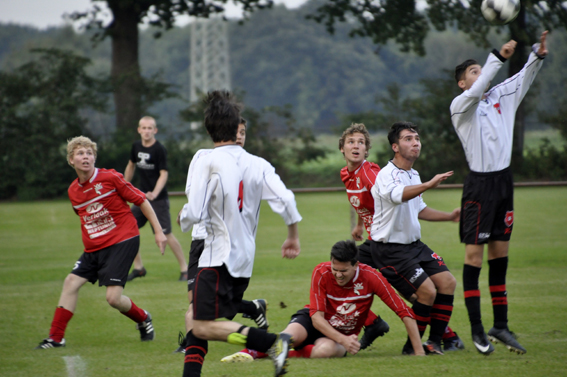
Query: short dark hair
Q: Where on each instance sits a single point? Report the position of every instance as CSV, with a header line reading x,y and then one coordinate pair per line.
x,y
222,116
397,128
345,251
462,68
243,122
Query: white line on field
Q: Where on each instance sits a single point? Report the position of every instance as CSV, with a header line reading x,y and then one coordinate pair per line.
x,y
76,367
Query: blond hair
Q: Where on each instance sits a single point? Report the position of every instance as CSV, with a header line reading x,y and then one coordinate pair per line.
x,y
79,142
148,119
355,128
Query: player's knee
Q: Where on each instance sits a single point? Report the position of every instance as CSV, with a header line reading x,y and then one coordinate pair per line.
x,y
324,350
113,301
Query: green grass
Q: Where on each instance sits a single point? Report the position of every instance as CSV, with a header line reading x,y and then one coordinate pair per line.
x,y
40,241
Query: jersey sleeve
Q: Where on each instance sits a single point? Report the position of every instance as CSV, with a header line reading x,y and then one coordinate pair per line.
x,y
126,190
384,290
318,291
389,186
464,106
280,199
201,185
133,156
370,175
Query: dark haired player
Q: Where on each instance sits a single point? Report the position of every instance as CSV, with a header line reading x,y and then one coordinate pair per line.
x,y
225,192
409,264
341,295
150,157
359,176
484,121
110,236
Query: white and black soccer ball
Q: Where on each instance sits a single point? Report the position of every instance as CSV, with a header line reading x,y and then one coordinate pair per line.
x,y
500,12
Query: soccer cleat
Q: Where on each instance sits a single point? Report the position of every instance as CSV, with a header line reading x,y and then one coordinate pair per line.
x,y
377,329
482,344
183,276
453,344
508,338
279,352
146,329
408,349
50,343
260,316
181,342
432,348
137,274
239,357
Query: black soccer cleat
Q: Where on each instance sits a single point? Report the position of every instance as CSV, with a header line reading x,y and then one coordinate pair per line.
x,y
375,330
50,343
432,348
260,316
408,349
508,338
183,276
453,344
181,343
146,329
482,344
279,352
137,274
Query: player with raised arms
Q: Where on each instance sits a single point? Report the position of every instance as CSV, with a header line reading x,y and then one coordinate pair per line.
x,y
484,120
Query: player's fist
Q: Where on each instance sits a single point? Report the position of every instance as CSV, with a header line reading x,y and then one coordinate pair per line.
x,y
351,344
508,49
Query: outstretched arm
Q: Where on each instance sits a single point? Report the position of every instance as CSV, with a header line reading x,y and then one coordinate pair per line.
x,y
431,214
411,192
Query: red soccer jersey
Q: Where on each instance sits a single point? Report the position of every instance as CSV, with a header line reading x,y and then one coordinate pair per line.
x,y
100,202
358,184
347,307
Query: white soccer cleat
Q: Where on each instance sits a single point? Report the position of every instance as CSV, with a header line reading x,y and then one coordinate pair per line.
x,y
239,357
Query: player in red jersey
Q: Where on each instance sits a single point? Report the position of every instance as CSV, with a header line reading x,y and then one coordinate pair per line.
x,y
341,294
359,176
111,238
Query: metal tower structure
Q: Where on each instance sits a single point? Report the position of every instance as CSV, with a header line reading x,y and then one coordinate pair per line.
x,y
209,57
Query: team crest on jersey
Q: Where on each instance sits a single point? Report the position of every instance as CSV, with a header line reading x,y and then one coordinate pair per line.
x,y
358,183
358,287
97,188
94,207
355,201
497,107
509,219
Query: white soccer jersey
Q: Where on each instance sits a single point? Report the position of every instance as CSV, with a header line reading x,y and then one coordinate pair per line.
x,y
199,230
229,241
486,125
396,221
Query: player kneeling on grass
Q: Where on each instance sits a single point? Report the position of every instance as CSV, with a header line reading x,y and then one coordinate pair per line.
x,y
110,236
341,295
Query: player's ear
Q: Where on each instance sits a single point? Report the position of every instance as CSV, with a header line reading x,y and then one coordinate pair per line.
x,y
395,148
462,84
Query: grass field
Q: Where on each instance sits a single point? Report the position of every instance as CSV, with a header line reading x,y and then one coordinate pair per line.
x,y
40,241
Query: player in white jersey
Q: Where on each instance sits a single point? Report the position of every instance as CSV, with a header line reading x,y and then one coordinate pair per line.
x,y
227,187
256,309
484,122
408,264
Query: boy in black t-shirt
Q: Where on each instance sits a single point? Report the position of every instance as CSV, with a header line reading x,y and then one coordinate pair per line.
x,y
150,157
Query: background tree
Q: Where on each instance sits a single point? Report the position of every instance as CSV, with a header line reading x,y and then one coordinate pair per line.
x,y
123,31
41,106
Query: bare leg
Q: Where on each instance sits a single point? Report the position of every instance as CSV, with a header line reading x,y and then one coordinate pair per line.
x,y
177,251
70,293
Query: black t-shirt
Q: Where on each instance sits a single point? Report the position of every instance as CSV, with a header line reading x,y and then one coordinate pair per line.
x,y
149,161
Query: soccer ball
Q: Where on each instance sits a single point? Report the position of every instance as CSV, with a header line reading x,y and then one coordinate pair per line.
x,y
500,12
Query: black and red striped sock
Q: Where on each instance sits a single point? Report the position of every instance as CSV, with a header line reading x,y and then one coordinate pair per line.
x,y
422,316
440,316
195,352
472,296
497,282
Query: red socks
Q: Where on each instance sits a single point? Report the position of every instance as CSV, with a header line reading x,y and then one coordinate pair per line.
x,y
135,314
61,318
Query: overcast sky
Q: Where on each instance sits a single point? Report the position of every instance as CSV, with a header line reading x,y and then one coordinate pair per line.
x,y
45,13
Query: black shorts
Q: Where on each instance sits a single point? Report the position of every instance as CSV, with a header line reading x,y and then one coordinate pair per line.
x,y
487,207
161,208
304,319
110,266
197,247
406,266
217,294
365,253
